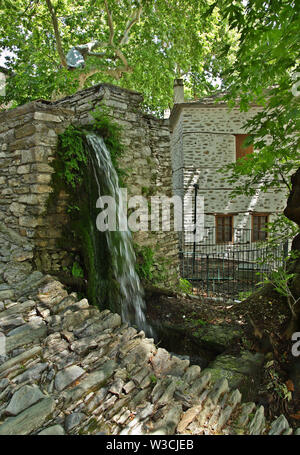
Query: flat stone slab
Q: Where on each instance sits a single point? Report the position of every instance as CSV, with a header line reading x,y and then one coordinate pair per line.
x,y
217,337
242,372
29,420
55,430
68,376
92,381
23,399
73,420
27,333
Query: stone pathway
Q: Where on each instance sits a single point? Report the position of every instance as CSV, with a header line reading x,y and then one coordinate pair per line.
x,y
71,369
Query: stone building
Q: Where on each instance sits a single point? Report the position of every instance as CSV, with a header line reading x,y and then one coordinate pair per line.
x,y
204,137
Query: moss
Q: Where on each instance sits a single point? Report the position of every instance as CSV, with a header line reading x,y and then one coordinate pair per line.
x,y
73,168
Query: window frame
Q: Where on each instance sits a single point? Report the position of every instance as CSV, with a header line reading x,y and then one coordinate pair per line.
x,y
243,151
224,215
258,215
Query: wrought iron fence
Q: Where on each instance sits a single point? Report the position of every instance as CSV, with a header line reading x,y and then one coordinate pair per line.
x,y
228,269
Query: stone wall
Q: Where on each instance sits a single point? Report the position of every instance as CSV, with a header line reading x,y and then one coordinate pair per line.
x,y
28,141
67,368
202,141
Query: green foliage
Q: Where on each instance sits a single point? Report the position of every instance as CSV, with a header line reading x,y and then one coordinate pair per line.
x,y
112,135
281,279
77,270
200,322
145,262
72,156
153,379
265,71
244,295
73,175
275,384
185,286
171,39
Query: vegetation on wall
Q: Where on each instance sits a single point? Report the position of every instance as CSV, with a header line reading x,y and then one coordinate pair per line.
x,y
73,171
151,270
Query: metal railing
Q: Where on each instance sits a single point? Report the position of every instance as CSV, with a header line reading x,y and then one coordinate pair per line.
x,y
228,269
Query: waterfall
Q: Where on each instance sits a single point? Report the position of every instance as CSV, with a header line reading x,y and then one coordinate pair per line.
x,y
119,242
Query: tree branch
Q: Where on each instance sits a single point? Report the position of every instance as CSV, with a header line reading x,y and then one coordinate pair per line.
x,y
285,181
135,18
110,24
57,35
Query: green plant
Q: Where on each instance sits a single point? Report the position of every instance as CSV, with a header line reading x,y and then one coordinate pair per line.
x,y
200,322
281,279
77,270
244,295
72,154
153,379
275,384
185,286
72,174
145,262
112,135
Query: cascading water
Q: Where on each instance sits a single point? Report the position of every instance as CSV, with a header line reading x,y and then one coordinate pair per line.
x,y
119,241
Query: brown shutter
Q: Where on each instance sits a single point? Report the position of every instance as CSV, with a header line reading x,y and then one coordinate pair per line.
x,y
239,149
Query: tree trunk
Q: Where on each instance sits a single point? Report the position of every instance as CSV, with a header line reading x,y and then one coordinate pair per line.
x,y
292,212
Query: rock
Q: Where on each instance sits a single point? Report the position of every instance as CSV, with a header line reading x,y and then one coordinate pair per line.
x,y
191,374
67,376
200,384
52,293
168,424
29,284
32,374
116,387
257,425
25,397
246,410
217,337
220,387
20,358
242,372
91,382
29,420
279,426
73,420
110,322
4,383
187,418
28,333
19,308
11,322
16,272
7,294
84,345
55,430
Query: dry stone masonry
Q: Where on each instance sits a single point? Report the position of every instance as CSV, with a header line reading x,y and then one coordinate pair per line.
x,y
68,368
28,142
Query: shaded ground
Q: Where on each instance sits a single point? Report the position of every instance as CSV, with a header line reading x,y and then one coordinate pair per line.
x,y
262,318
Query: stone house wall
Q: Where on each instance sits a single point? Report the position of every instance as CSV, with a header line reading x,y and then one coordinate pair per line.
x,y
202,141
28,141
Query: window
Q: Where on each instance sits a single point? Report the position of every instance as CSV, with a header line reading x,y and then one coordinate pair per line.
x,y
259,224
224,228
241,151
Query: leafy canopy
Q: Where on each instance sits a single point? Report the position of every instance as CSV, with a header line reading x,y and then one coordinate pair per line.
x,y
265,72
139,44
